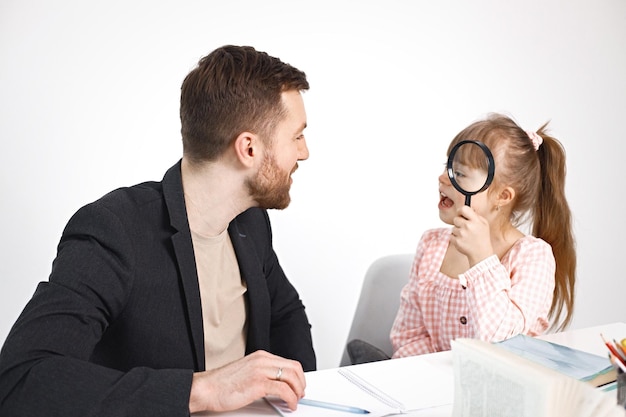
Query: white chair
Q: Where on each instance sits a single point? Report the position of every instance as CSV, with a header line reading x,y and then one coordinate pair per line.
x,y
379,302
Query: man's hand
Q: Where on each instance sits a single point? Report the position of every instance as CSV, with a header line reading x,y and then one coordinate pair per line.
x,y
241,382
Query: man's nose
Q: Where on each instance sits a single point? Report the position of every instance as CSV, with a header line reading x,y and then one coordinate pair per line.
x,y
303,151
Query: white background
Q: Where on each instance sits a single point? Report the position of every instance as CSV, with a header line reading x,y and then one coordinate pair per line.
x,y
89,96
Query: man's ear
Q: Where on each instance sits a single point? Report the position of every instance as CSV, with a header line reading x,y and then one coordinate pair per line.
x,y
247,147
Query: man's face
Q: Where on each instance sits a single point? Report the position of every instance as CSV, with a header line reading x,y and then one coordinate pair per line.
x,y
270,187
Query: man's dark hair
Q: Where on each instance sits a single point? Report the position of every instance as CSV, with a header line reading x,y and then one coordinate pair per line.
x,y
232,90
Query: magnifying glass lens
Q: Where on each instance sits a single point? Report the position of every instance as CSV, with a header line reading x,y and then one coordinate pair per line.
x,y
470,168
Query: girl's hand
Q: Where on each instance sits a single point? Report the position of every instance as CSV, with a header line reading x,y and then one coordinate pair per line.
x,y
471,236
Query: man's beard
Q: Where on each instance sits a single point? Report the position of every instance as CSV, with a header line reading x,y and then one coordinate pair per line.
x,y
270,187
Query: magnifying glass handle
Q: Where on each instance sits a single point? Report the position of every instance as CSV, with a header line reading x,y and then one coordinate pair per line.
x,y
468,198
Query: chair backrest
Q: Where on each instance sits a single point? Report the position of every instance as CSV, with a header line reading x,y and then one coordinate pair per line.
x,y
379,302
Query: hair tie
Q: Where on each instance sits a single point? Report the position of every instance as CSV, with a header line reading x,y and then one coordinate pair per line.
x,y
535,139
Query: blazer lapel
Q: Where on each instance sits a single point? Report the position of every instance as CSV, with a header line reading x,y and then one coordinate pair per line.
x,y
251,269
183,249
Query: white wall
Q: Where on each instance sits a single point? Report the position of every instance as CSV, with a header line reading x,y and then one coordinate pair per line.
x,y
89,102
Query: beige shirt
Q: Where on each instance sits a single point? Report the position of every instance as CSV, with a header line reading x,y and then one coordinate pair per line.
x,y
223,302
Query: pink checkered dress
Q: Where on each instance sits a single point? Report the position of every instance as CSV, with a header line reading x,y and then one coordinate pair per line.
x,y
502,297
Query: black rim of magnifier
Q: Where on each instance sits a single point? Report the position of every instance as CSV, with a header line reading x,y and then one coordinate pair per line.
x,y
490,169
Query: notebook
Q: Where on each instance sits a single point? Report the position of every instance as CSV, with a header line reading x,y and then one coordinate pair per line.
x,y
394,386
593,369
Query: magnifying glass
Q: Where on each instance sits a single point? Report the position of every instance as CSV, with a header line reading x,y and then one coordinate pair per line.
x,y
470,168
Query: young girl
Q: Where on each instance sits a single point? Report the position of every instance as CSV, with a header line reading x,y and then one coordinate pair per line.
x,y
483,277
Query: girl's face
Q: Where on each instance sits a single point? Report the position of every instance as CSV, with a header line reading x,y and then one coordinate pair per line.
x,y
450,200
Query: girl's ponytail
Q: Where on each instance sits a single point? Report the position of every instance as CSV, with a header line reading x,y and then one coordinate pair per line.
x,y
552,222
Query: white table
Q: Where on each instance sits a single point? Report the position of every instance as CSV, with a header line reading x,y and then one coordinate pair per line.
x,y
587,339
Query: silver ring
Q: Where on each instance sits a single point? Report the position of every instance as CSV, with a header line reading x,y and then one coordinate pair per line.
x,y
279,374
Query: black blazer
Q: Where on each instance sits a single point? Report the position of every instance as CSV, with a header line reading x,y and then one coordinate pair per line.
x,y
117,329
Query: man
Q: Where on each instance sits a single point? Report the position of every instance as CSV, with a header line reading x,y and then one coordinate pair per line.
x,y
167,298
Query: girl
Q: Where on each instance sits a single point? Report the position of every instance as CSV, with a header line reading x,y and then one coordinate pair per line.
x,y
483,277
